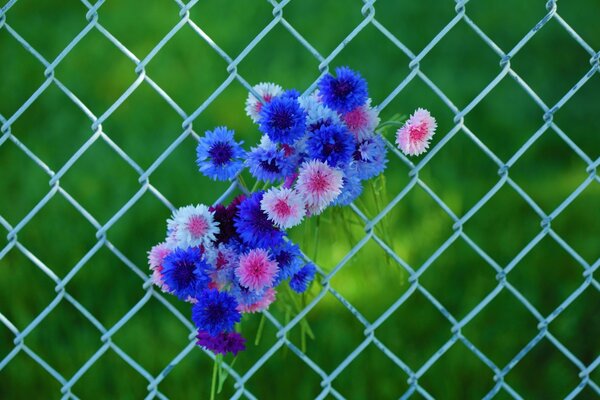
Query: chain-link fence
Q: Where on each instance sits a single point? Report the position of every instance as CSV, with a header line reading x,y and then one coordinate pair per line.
x,y
414,272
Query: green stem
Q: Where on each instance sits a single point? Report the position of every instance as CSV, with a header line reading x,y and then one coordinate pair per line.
x,y
213,385
259,332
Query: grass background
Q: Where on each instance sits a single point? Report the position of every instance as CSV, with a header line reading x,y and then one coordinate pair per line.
x,y
460,174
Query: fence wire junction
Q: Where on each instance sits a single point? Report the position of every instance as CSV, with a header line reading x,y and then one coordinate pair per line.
x,y
370,327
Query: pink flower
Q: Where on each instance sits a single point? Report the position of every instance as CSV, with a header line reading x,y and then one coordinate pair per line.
x,y
256,271
318,184
261,304
284,207
362,121
155,259
413,137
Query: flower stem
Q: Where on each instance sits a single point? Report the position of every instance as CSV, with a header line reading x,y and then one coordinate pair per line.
x,y
213,385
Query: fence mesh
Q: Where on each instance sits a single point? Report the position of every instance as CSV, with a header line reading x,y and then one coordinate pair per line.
x,y
328,378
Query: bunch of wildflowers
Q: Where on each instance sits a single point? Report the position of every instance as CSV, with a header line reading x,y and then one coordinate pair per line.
x,y
315,152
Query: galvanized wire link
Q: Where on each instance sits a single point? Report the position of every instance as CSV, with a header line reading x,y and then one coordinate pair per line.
x,y
322,62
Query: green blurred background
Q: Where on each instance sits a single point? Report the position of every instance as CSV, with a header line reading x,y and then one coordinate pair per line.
x,y
460,174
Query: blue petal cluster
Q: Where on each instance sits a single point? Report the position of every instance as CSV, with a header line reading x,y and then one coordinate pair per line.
x,y
288,259
185,273
282,119
299,282
351,189
215,312
219,156
269,163
344,92
370,157
333,144
253,225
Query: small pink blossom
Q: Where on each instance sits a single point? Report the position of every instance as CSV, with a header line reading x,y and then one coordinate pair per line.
x,y
362,121
260,305
413,138
256,271
318,184
283,206
155,259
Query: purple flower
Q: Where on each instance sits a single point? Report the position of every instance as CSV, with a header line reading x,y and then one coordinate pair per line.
x,y
221,343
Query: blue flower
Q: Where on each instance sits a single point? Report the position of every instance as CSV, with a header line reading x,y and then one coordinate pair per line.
x,y
351,187
253,225
269,163
245,296
300,281
185,273
345,92
282,119
288,260
219,156
215,312
333,144
370,157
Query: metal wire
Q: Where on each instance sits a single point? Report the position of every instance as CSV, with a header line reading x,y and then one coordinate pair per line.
x,y
370,328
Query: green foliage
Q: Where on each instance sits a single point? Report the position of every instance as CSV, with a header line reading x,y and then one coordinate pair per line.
x,y
461,65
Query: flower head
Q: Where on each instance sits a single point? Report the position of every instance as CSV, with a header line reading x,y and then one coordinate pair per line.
x,y
282,119
288,260
345,92
362,121
193,226
254,226
285,207
223,260
333,144
215,312
351,187
267,162
318,184
413,138
156,258
317,113
222,343
185,272
267,91
256,270
300,281
370,157
261,304
219,156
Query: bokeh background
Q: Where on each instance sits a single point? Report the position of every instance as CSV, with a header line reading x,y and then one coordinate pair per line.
x,y
53,128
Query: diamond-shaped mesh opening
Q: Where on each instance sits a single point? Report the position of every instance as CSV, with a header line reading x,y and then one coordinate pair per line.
x,y
516,222
329,316
304,383
353,383
23,183
55,340
131,124
577,326
41,232
18,271
578,228
199,76
428,335
22,74
103,268
469,184
552,81
502,328
460,279
168,334
282,59
98,381
564,174
26,18
29,373
90,181
452,375
112,70
550,366
547,275
248,18
146,25
40,129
